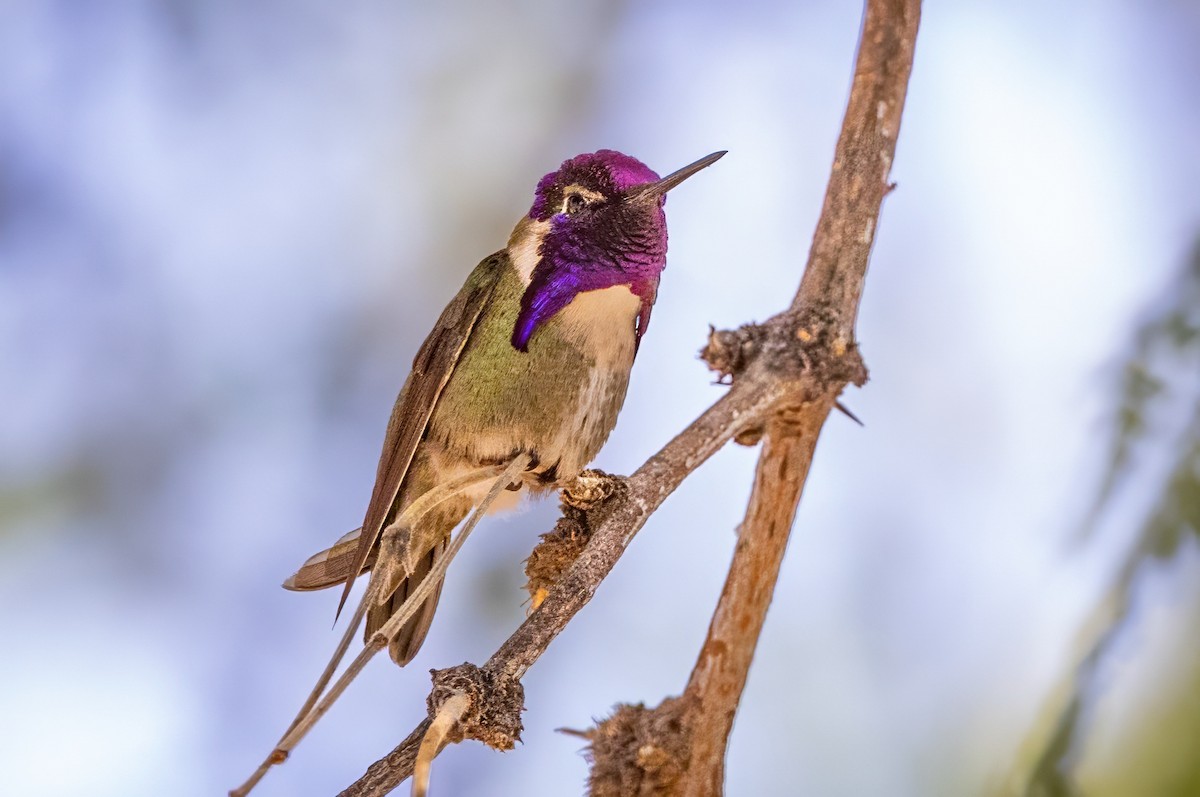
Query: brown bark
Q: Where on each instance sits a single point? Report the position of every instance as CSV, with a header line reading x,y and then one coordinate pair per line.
x,y
614,524
715,687
827,302
787,374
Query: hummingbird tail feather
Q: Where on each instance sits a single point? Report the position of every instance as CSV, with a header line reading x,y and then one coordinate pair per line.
x,y
407,642
403,617
330,567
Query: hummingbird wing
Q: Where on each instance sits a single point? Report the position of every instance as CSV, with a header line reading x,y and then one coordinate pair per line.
x,y
432,368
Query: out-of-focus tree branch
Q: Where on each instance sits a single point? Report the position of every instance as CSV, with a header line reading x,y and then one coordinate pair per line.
x,y
786,375
1165,348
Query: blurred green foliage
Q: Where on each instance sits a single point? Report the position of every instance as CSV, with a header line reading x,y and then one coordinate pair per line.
x,y
1151,745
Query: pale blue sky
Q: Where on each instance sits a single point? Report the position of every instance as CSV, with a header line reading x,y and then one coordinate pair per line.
x,y
224,229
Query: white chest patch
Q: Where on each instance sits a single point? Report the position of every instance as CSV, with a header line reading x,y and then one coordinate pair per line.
x,y
523,246
603,321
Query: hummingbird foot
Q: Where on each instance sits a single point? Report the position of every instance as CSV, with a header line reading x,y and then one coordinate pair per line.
x,y
590,488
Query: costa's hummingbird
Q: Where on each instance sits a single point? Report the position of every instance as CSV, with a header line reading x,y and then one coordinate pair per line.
x,y
530,360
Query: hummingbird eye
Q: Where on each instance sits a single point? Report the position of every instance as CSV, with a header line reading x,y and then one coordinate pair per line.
x,y
573,204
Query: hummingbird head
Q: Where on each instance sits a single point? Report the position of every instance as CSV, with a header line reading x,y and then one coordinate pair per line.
x,y
597,222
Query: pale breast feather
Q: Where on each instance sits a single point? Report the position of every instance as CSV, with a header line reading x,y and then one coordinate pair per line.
x,y
602,323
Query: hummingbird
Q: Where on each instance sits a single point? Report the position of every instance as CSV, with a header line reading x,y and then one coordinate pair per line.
x,y
528,364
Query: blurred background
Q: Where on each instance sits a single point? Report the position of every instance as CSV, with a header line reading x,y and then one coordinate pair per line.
x,y
225,227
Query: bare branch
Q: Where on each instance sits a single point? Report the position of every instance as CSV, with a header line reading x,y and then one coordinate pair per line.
x,y
787,374
862,162
614,523
828,297
716,685
390,771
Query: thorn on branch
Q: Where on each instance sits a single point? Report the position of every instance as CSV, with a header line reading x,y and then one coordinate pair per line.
x,y
845,411
811,342
639,750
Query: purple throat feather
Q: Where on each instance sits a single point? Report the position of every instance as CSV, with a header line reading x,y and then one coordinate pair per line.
x,y
609,242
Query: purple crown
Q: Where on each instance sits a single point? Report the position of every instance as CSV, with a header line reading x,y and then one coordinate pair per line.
x,y
606,171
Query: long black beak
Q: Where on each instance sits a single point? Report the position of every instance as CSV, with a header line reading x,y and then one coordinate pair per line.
x,y
657,189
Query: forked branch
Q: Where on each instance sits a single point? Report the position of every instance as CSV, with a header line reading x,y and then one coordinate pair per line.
x,y
827,306
786,375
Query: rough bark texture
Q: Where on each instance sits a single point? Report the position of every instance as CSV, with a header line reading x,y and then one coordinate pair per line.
x,y
715,687
786,375
827,305
659,742
384,775
614,523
